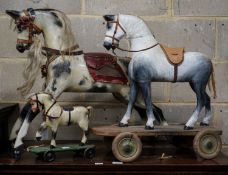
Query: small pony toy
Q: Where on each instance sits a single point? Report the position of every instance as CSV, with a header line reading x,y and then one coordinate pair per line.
x,y
55,115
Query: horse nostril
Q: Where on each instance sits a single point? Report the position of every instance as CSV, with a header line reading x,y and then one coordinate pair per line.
x,y
107,45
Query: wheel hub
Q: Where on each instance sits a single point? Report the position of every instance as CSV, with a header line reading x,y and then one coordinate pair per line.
x,y
127,147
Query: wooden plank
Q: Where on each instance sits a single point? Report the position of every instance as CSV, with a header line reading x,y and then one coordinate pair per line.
x,y
181,162
172,130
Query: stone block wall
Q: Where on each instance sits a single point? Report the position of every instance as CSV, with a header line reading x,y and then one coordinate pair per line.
x,y
197,25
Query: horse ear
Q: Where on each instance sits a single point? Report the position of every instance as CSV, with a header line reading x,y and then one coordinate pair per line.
x,y
109,17
13,13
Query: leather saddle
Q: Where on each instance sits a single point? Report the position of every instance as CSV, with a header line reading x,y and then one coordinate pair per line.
x,y
104,68
174,55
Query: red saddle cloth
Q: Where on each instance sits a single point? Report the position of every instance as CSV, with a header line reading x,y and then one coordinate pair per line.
x,y
104,68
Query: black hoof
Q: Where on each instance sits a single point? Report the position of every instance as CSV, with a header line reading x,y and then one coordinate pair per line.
x,y
52,146
81,144
17,152
123,125
38,139
188,128
149,128
203,124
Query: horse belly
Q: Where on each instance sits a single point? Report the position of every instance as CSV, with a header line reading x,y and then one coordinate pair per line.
x,y
195,65
154,68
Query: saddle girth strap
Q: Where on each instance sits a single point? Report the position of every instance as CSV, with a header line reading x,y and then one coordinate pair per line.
x,y
175,73
69,121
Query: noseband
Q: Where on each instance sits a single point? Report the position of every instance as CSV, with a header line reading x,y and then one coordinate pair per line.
x,y
116,28
26,22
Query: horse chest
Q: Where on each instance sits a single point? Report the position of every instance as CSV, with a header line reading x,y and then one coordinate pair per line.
x,y
150,66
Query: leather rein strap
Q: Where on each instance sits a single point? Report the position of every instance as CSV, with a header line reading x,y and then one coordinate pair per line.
x,y
49,116
138,50
52,54
68,52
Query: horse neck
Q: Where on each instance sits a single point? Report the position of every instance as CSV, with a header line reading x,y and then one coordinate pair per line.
x,y
137,32
55,37
48,103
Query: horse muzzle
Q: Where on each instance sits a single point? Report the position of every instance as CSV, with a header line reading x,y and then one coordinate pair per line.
x,y
22,47
109,46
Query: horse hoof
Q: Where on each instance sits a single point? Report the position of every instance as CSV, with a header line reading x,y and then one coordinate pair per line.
x,y
18,151
203,124
149,128
52,146
81,144
123,125
188,128
38,139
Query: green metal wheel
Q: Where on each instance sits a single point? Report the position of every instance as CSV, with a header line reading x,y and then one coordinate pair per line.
x,y
127,147
89,153
207,144
49,156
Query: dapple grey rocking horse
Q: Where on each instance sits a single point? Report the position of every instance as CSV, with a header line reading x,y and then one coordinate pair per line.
x,y
149,63
67,68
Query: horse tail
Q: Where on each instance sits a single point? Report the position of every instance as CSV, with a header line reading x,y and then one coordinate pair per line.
x,y
90,111
212,83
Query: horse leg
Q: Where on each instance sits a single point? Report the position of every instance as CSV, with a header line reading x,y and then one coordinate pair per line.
x,y
42,128
146,92
208,113
84,124
29,116
199,89
53,136
139,107
132,98
17,125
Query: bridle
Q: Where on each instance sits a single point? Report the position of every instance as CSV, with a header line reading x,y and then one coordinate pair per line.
x,y
36,101
26,22
39,103
115,31
114,45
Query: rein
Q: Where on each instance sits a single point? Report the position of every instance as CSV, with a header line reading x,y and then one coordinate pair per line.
x,y
138,50
49,116
115,39
52,54
39,103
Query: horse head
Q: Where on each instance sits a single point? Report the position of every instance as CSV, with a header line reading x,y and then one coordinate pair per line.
x,y
114,32
37,100
26,27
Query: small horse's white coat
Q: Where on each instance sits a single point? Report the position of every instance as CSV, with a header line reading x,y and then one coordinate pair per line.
x,y
79,115
157,67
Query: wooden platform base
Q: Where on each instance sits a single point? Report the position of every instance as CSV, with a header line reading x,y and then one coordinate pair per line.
x,y
181,161
171,130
